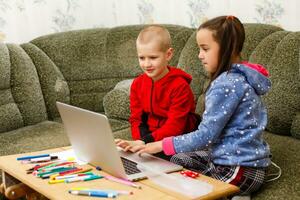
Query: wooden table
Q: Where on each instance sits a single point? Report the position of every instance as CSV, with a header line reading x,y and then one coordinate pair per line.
x,y
11,168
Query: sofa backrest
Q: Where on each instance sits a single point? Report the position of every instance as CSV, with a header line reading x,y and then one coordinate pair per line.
x,y
89,63
280,53
80,67
21,98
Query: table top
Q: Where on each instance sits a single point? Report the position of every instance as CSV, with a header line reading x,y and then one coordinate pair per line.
x,y
10,165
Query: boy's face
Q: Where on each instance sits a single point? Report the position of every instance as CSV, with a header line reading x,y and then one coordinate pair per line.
x,y
153,60
209,50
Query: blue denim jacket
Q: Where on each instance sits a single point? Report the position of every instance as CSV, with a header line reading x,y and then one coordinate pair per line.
x,y
233,121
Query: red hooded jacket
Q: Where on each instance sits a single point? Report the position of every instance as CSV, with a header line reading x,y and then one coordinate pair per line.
x,y
163,108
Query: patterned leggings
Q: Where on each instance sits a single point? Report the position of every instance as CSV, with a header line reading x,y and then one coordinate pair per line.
x,y
248,179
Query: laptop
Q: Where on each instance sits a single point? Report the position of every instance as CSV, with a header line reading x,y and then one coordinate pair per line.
x,y
92,140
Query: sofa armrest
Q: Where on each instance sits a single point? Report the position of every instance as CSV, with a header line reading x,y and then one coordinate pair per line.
x,y
116,102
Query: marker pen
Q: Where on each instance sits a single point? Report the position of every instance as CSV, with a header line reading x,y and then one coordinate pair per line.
x,y
83,178
31,157
92,194
73,175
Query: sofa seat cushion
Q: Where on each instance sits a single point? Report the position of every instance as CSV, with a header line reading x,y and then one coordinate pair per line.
x,y
295,129
116,102
118,125
286,154
40,136
123,134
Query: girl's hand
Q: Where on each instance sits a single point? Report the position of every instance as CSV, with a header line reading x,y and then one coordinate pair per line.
x,y
151,148
128,145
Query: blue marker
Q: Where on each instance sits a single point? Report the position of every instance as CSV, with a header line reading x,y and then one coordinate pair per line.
x,y
93,193
31,157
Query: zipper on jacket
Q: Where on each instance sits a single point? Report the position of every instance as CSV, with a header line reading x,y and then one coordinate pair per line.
x,y
151,105
151,94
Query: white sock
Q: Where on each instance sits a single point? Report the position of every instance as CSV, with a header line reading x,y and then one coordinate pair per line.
x,y
241,197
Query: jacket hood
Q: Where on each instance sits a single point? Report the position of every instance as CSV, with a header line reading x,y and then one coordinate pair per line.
x,y
174,73
255,74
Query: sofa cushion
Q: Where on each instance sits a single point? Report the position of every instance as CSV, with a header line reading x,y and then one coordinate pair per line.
x,y
21,98
279,54
123,134
295,129
285,152
80,58
10,115
25,86
264,51
41,136
53,84
190,63
255,33
116,102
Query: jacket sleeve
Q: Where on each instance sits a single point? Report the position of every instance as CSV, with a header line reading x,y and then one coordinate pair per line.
x,y
181,104
136,111
220,104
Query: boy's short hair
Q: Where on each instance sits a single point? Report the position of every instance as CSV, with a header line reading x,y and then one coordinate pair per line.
x,y
155,33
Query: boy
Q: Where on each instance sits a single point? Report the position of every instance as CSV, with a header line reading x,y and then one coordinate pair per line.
x,y
161,100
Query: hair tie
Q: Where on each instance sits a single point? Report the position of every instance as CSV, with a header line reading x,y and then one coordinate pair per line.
x,y
231,17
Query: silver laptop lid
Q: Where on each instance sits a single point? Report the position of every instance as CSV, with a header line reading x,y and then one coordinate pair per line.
x,y
91,138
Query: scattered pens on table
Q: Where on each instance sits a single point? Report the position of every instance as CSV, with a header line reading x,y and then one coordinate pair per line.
x,y
63,171
70,172
59,171
76,171
72,176
57,167
54,169
123,181
48,165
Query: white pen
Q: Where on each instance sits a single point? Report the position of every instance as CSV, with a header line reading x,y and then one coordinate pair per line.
x,y
73,176
82,178
41,159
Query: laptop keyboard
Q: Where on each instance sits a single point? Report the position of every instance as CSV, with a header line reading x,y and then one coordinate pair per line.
x,y
130,166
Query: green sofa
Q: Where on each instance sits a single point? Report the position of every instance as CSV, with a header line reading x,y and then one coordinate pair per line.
x,y
93,69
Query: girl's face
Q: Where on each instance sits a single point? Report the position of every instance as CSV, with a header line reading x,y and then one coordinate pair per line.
x,y
209,50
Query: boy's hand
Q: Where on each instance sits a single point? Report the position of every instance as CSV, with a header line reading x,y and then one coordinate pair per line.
x,y
151,148
128,145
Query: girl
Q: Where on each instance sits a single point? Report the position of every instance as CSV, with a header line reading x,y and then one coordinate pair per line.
x,y
228,144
